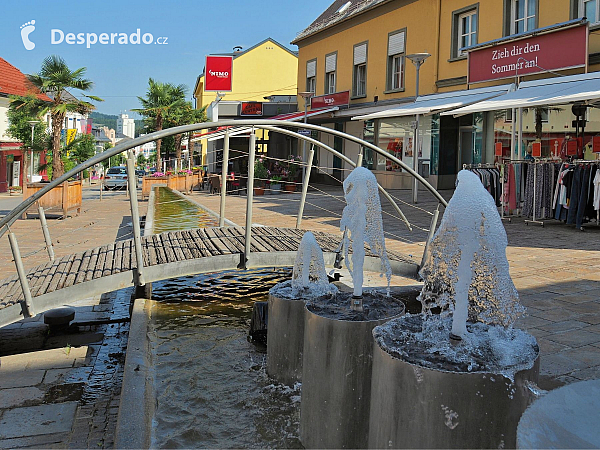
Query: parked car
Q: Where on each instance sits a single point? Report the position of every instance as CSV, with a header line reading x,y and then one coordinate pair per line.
x,y
115,178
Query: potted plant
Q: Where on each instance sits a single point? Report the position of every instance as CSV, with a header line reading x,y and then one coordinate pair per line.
x,y
293,166
275,184
260,176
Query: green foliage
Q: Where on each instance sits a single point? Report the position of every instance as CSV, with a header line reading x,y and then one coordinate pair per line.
x,y
20,129
141,160
82,148
260,172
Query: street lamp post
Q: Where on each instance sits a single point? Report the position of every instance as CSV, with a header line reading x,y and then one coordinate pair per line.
x,y
306,96
417,59
32,124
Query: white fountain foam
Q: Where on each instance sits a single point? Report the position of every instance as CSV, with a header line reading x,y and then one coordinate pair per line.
x,y
309,279
467,271
362,218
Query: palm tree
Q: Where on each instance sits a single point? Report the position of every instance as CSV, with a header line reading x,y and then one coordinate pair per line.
x,y
185,115
161,100
54,79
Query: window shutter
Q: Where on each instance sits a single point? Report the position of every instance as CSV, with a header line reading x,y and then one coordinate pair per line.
x,y
396,44
360,54
311,69
330,63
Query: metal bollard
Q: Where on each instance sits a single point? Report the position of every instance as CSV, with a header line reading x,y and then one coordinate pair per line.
x,y
224,180
135,217
46,232
305,181
250,195
27,305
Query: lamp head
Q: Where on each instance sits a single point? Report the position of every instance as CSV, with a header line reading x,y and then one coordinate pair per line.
x,y
33,123
418,58
306,95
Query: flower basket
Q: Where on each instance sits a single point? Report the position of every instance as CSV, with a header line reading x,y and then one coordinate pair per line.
x,y
259,190
289,187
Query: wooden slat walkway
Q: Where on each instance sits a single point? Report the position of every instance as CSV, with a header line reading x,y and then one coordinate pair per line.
x,y
157,249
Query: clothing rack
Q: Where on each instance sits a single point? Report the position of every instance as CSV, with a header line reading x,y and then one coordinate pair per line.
x,y
492,166
587,161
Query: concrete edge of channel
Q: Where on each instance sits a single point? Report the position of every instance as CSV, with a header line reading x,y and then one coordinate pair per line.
x,y
136,408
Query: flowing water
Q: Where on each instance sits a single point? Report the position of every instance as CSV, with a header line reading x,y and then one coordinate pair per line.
x,y
173,213
210,381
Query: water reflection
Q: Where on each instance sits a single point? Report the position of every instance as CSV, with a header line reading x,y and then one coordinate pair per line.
x,y
174,213
211,384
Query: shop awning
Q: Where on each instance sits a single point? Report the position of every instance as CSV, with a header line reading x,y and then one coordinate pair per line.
x,y
553,91
434,103
236,131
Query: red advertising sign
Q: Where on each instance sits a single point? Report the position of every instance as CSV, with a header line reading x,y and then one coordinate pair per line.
x,y
328,100
536,149
498,149
572,147
596,144
251,109
560,49
217,74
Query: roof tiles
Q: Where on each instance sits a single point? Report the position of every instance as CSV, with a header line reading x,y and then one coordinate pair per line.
x,y
14,82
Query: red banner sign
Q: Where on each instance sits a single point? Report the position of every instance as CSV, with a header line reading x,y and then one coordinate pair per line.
x,y
596,144
536,149
561,49
217,74
498,149
328,100
251,109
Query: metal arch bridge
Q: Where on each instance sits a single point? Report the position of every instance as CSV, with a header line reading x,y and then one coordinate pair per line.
x,y
167,255
145,259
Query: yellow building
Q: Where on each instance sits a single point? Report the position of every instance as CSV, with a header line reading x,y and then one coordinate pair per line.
x,y
263,85
364,47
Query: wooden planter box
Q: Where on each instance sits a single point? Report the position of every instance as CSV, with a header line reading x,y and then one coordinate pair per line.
x,y
63,198
182,183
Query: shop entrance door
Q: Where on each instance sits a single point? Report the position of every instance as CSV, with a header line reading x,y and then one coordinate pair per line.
x,y
466,146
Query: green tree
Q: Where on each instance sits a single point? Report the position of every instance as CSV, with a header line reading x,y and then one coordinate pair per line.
x,y
141,160
160,101
185,115
54,79
20,129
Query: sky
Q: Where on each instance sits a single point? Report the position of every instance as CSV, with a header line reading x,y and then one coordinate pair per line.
x,y
120,72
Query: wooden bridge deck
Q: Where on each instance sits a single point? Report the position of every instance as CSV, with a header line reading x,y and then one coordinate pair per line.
x,y
165,248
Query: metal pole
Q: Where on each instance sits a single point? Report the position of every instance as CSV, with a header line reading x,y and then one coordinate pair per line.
x,y
250,195
311,154
432,227
520,143
512,134
224,180
416,143
31,156
101,185
49,246
359,160
27,305
135,218
304,142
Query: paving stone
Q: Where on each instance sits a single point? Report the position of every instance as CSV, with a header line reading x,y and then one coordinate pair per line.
x,y
41,441
585,308
591,373
556,315
559,364
20,379
18,396
579,298
548,346
567,325
593,319
532,322
45,359
575,338
37,420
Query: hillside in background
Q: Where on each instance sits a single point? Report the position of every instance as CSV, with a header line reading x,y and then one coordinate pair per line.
x,y
110,121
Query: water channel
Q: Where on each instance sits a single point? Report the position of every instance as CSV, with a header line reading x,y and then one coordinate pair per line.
x,y
210,382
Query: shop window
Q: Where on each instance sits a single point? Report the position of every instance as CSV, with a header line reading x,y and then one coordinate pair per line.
x,y
359,72
311,75
523,15
465,24
395,62
590,10
369,136
330,73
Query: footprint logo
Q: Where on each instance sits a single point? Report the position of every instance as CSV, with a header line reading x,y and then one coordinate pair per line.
x,y
26,30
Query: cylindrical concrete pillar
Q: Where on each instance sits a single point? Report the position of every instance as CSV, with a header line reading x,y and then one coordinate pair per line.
x,y
336,382
285,339
417,407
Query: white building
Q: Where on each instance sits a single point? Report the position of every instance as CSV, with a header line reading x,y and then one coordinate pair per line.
x,y
126,126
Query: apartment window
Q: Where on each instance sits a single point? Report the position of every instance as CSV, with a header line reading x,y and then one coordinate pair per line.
x,y
359,73
523,15
395,63
311,75
330,72
590,9
464,29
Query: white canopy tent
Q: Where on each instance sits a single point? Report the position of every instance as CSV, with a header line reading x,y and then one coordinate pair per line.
x,y
434,103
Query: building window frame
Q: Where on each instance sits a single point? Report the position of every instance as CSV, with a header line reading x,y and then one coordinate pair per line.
x,y
395,60
530,16
582,8
457,15
359,72
311,76
330,74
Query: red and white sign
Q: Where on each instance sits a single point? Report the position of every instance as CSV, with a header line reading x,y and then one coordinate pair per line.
x,y
218,73
557,50
251,109
324,101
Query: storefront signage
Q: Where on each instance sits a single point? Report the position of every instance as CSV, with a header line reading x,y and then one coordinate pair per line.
x,y
251,109
557,50
571,147
536,149
328,100
596,144
218,73
10,158
498,149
